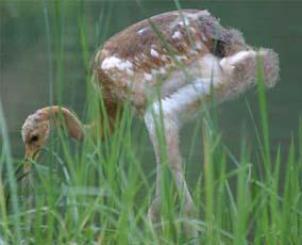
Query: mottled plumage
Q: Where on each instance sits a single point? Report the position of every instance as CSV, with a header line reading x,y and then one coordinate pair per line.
x,y
159,49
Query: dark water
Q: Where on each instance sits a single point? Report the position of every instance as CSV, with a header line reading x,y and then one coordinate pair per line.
x,y
26,71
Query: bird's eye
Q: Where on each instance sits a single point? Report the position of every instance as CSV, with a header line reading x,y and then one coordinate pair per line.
x,y
34,138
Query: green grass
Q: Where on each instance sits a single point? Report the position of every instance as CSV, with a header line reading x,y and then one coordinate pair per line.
x,y
99,191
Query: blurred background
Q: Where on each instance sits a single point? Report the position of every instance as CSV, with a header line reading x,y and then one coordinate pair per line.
x,y
46,47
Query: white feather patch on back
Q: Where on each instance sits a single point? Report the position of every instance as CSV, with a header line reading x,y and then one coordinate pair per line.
x,y
177,35
154,53
115,62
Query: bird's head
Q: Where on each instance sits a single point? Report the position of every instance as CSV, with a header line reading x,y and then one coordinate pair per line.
x,y
35,132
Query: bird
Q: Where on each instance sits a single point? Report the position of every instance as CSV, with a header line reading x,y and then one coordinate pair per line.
x,y
167,67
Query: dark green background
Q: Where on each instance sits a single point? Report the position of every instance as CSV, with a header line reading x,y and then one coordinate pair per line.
x,y
26,71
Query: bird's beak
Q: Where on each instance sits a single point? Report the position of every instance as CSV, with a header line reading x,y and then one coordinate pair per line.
x,y
30,155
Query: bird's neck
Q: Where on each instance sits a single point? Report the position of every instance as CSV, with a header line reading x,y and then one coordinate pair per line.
x,y
56,114
104,125
110,117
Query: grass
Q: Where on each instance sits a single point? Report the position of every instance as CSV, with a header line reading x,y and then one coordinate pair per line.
x,y
99,191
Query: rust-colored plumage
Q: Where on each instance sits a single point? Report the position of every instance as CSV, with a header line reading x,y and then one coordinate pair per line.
x,y
155,49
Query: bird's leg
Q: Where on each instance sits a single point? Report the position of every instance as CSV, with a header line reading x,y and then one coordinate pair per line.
x,y
169,114
171,134
164,115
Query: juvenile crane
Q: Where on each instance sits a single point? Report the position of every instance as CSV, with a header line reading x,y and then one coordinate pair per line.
x,y
166,66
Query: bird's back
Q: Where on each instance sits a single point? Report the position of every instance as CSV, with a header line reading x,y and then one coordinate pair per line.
x,y
148,53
